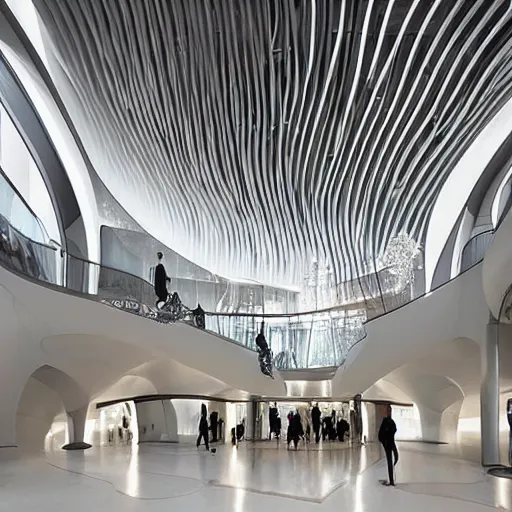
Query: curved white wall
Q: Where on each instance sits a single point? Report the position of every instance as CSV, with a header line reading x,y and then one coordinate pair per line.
x,y
460,183
37,409
157,422
456,310
41,326
428,351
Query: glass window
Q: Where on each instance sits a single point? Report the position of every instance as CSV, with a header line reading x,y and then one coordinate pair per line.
x,y
37,221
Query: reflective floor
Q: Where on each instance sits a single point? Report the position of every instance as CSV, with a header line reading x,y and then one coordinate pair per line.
x,y
252,477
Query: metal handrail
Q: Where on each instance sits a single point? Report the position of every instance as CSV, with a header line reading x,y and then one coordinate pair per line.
x,y
349,333
342,338
40,244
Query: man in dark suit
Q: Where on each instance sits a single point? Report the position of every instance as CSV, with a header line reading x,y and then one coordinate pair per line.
x,y
203,428
387,433
161,280
316,416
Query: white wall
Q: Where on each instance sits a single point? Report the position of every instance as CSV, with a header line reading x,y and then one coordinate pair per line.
x,y
408,423
38,407
461,182
16,365
456,310
157,421
68,318
423,350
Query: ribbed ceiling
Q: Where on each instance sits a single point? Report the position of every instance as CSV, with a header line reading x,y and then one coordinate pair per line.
x,y
254,136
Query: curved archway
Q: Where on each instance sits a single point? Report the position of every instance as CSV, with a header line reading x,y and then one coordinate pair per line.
x,y
49,393
128,386
443,384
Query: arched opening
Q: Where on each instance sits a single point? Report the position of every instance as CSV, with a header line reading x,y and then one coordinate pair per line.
x,y
117,423
51,411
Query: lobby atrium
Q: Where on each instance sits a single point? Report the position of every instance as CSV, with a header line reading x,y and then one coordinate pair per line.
x,y
255,254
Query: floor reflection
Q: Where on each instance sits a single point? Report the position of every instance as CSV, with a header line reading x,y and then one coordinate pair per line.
x,y
332,473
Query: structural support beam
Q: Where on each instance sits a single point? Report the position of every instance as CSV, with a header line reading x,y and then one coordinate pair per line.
x,y
76,429
250,427
489,397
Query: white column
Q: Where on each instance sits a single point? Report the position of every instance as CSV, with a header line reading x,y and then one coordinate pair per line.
x,y
76,425
489,397
250,422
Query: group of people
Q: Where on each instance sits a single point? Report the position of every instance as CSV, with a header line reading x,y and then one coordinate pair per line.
x,y
301,424
332,426
307,421
216,427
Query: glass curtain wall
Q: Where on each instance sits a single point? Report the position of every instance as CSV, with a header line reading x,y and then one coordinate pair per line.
x,y
36,216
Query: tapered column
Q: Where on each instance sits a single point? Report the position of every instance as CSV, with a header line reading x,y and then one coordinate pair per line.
x,y
76,429
489,397
250,424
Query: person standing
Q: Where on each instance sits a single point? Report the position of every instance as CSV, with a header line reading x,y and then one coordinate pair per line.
x,y
304,422
221,429
203,428
161,280
387,433
358,418
214,425
342,427
273,414
328,429
295,431
316,420
509,417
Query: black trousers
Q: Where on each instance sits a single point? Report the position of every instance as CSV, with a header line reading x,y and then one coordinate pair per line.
x,y
295,439
203,435
316,429
391,451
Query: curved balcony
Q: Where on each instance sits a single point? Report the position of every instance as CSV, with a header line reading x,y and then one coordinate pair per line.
x,y
305,340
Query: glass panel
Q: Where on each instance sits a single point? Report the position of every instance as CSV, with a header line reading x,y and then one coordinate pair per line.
x,y
34,202
18,214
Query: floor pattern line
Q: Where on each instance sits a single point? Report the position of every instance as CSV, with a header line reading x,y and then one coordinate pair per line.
x,y
98,479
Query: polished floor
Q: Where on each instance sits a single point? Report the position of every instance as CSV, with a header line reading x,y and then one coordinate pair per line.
x,y
254,477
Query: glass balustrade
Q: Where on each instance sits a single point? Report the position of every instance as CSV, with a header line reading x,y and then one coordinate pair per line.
x,y
297,340
474,251
18,214
26,256
309,340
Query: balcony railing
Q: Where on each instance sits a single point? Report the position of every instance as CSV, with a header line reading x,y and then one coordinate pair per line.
x,y
321,338
113,287
298,341
313,339
474,251
305,340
